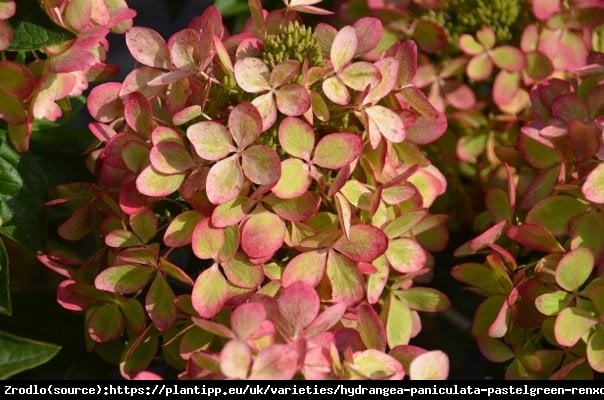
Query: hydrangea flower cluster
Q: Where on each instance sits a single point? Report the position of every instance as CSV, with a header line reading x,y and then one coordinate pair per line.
x,y
40,74
261,205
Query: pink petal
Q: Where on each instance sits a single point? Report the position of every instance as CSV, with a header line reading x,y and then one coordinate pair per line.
x,y
235,360
246,319
266,106
388,122
343,48
593,188
337,150
480,67
365,244
278,362
508,58
153,183
299,304
104,103
148,47
261,165
262,235
308,267
469,45
296,137
184,48
360,75
224,181
297,209
284,72
138,114
245,124
432,365
336,91
292,99
210,292
252,75
544,9
369,32
210,140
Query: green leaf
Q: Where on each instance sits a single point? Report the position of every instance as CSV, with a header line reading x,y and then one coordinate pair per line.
x,y
574,268
138,354
159,304
33,29
19,354
571,324
552,303
399,323
595,350
23,191
424,299
5,303
555,213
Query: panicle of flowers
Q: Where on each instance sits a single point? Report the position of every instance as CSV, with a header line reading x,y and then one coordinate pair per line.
x,y
260,214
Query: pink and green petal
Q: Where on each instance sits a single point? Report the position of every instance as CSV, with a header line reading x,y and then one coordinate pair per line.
x,y
224,181
180,230
508,58
148,47
480,67
571,324
336,150
308,267
593,188
369,31
298,304
242,272
360,76
336,91
276,362
470,46
159,304
347,283
252,75
210,292
261,165
210,140
574,268
170,158
295,179
235,360
406,255
284,72
296,137
432,365
365,244
245,124
184,48
262,235
297,209
292,99
343,48
153,183
124,279
207,241
266,106
389,124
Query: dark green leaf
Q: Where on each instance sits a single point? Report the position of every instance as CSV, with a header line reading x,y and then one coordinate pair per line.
x,y
5,304
19,354
33,29
23,191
